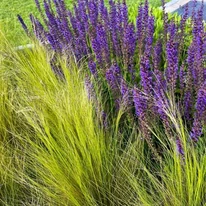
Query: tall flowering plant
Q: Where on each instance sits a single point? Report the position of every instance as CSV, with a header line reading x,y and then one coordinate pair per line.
x,y
142,70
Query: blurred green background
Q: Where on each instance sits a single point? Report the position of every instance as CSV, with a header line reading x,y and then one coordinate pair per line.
x,y
10,8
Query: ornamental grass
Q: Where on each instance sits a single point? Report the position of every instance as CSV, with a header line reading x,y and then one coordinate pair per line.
x,y
104,110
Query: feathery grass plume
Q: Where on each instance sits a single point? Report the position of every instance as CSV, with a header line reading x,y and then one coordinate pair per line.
x,y
54,151
12,129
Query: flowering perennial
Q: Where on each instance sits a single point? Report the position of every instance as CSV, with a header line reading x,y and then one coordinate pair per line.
x,y
140,69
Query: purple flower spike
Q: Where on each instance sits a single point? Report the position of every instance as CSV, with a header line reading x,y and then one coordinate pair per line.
x,y
97,49
139,25
146,13
51,41
200,113
196,131
38,29
92,67
150,33
103,43
146,75
82,14
113,28
160,99
201,102
124,90
188,105
182,75
23,24
190,62
53,27
93,12
160,104
124,13
157,55
172,60
140,103
129,45
119,18
113,77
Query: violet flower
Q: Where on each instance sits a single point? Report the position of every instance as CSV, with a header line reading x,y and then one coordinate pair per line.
x,y
129,45
146,75
92,67
23,24
157,55
200,114
113,28
145,14
182,77
125,92
188,104
196,131
139,23
113,77
103,43
149,36
190,62
93,12
140,103
38,29
172,59
97,49
124,13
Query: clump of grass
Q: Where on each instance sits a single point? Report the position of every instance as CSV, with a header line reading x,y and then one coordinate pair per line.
x,y
56,151
179,178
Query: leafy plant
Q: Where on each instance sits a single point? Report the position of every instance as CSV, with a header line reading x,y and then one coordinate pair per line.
x,y
141,69
57,150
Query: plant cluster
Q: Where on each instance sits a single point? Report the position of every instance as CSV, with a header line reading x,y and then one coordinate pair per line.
x,y
55,152
141,70
109,111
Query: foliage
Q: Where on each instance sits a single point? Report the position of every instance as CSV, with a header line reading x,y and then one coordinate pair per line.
x,y
53,150
56,150
139,67
109,112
